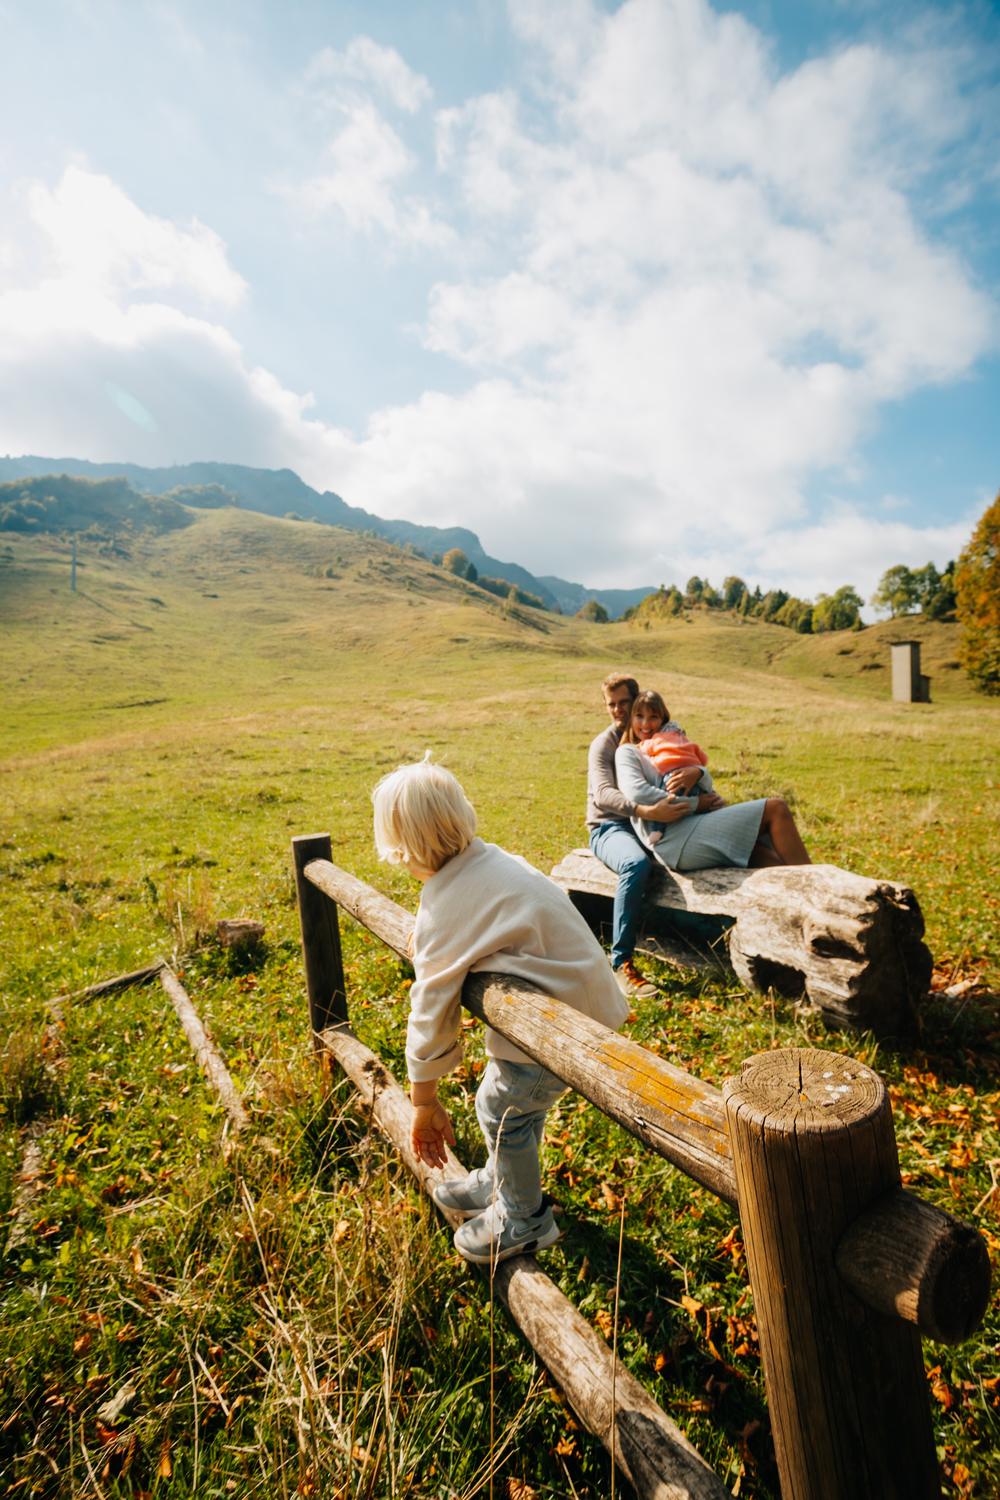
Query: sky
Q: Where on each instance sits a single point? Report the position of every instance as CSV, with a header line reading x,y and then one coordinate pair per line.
x,y
634,290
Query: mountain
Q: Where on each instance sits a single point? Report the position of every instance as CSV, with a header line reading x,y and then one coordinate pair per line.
x,y
276,492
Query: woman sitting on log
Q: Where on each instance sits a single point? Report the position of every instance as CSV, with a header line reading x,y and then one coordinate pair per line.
x,y
700,830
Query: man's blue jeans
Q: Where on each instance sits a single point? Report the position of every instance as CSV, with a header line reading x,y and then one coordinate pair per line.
x,y
617,847
511,1104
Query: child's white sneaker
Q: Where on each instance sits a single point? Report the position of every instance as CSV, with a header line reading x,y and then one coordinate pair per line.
x,y
465,1195
494,1235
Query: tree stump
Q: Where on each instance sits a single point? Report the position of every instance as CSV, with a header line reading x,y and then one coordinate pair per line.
x,y
239,933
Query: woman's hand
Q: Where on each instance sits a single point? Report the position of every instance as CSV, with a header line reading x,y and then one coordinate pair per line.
x,y
430,1132
710,801
668,810
682,780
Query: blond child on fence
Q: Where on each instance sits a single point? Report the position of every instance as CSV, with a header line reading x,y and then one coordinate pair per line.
x,y
483,909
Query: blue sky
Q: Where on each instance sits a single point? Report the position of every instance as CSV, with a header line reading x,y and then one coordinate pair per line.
x,y
634,290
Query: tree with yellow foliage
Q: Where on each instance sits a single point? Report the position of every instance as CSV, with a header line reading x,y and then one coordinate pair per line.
x,y
978,588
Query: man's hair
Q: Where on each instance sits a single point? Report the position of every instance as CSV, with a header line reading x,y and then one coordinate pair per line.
x,y
648,699
422,817
620,679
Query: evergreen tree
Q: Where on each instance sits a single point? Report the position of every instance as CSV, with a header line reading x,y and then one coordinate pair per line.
x,y
936,591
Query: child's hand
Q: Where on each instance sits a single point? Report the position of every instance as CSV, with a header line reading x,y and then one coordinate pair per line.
x,y
680,782
430,1132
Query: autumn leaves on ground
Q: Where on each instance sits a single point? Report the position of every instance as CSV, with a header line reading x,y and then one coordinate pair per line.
x,y
288,1317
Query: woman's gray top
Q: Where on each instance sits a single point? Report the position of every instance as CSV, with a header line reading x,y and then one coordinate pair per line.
x,y
698,841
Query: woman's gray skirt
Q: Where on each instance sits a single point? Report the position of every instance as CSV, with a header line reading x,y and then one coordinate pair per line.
x,y
723,837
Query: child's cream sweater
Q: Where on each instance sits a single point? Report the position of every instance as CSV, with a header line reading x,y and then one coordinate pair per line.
x,y
486,909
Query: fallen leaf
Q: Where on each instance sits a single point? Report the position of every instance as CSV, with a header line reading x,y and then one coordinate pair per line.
x,y
611,1198
940,1389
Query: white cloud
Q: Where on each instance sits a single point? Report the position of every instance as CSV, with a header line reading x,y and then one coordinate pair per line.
x,y
708,277
365,161
95,235
98,357
685,284
364,61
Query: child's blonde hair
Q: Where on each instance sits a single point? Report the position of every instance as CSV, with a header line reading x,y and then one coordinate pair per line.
x,y
422,816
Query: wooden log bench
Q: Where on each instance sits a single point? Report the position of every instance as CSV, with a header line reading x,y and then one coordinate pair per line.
x,y
852,946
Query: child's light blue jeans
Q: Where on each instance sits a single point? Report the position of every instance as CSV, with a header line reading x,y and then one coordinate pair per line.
x,y
511,1104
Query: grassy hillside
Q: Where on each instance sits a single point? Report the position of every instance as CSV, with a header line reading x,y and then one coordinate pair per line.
x,y
205,695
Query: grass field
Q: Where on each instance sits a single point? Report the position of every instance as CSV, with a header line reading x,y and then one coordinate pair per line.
x,y
294,1321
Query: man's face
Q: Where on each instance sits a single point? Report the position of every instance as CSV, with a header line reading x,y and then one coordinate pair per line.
x,y
618,701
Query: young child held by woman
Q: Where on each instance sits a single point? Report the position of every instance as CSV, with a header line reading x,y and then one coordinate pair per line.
x,y
668,748
484,909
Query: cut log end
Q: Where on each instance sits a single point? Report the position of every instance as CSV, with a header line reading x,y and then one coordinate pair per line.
x,y
910,1260
805,1087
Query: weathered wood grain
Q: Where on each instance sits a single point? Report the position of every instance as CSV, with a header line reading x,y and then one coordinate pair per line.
x,y
104,987
380,914
239,932
28,1185
678,1115
204,1050
814,1148
906,1258
682,1119
675,1113
648,1447
321,955
853,946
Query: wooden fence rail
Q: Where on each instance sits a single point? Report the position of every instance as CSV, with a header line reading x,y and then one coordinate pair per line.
x,y
847,1268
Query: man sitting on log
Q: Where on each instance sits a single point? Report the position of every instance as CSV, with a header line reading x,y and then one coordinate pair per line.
x,y
611,835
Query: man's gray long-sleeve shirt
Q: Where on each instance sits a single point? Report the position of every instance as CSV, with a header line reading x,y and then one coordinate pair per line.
x,y
605,803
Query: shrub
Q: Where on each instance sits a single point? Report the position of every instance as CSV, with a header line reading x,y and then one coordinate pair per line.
x,y
594,611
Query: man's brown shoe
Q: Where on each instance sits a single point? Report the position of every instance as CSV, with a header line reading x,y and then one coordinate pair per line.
x,y
633,985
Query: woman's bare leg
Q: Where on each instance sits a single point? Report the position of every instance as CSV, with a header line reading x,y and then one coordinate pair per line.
x,y
779,826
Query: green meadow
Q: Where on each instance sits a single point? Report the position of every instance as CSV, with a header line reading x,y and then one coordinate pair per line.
x,y
290,1318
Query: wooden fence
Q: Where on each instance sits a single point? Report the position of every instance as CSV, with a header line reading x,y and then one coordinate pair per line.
x,y
848,1269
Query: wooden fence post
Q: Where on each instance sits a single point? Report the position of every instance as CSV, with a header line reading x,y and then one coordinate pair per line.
x,y
814,1147
321,953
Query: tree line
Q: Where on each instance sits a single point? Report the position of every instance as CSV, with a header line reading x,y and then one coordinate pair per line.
x,y
840,610
967,590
